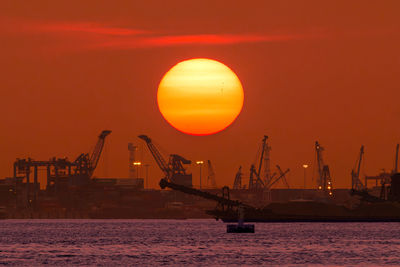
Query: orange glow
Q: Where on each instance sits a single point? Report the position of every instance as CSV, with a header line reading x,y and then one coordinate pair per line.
x,y
200,96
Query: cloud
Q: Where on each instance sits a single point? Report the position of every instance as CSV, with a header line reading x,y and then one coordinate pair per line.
x,y
199,39
88,28
96,36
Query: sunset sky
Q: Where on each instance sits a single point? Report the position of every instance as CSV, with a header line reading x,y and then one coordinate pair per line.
x,y
310,70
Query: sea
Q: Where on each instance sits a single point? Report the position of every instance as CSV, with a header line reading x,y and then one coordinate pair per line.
x,y
196,243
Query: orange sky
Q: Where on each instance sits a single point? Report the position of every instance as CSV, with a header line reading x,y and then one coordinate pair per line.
x,y
311,70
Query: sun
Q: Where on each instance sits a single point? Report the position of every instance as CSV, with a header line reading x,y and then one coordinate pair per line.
x,y
200,96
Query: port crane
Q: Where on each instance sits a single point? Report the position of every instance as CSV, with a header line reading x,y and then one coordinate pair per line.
x,y
237,183
85,163
356,183
174,170
77,173
324,177
255,181
282,175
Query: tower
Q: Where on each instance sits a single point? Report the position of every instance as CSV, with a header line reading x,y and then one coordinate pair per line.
x,y
132,158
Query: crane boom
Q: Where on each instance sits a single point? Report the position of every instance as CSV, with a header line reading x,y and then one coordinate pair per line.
x,y
95,156
156,155
222,200
278,178
264,142
283,176
355,175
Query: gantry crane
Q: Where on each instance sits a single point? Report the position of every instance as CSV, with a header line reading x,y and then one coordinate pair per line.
x,y
77,173
85,164
173,170
324,177
356,183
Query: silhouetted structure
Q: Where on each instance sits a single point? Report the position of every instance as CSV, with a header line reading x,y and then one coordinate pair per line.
x,y
173,170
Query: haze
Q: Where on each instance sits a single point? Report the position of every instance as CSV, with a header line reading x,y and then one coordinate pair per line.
x,y
311,70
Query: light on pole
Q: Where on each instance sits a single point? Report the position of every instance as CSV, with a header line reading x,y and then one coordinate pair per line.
x,y
305,166
200,163
137,164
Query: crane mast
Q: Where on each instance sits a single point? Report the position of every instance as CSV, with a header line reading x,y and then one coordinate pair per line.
x,y
324,176
267,164
356,183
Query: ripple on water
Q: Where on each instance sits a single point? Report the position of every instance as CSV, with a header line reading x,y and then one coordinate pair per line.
x,y
197,242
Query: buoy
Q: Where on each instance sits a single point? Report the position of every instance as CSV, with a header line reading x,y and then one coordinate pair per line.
x,y
240,227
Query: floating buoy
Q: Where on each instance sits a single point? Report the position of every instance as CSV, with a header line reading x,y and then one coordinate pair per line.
x,y
240,227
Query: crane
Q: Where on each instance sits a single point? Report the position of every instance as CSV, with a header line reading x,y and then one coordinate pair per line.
x,y
283,175
356,183
255,181
211,175
85,164
174,170
267,162
324,179
237,184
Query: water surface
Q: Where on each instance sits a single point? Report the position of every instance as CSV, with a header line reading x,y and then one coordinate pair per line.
x,y
195,242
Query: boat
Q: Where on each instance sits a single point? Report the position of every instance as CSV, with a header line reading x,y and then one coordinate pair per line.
x,y
370,209
313,211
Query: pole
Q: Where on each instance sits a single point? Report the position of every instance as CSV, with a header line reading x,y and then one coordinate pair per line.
x,y
305,166
200,175
147,177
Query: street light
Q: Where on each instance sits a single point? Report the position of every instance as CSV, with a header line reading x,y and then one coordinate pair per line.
x,y
305,166
200,163
137,164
